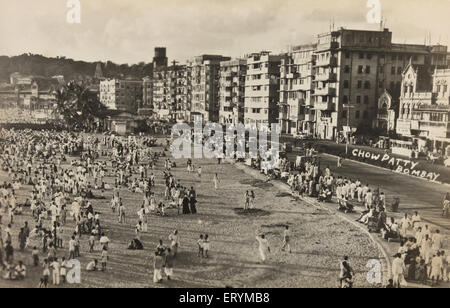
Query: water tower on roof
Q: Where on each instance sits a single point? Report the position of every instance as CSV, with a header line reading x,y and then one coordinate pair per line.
x,y
160,58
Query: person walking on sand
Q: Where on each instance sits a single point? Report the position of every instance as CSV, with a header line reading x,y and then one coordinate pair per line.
x,y
246,200
286,240
199,172
158,265
263,247
216,181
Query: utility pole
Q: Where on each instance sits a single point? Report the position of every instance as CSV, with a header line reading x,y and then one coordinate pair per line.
x,y
348,106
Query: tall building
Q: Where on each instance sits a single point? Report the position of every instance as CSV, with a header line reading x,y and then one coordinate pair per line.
x,y
170,92
297,114
160,58
232,91
204,72
424,114
147,93
352,69
123,95
183,94
261,88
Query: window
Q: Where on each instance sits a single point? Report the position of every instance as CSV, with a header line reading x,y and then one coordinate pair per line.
x,y
360,69
366,100
367,85
361,55
393,70
369,56
357,113
382,69
438,89
358,99
368,69
347,55
345,99
400,58
344,114
366,114
445,89
347,69
359,84
346,84
394,57
399,70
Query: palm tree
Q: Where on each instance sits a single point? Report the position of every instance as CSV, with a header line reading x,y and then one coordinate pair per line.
x,y
78,106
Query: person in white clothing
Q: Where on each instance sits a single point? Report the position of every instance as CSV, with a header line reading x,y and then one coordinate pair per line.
x,y
263,247
398,271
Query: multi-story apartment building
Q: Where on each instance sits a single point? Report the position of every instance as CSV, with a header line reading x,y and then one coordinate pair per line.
x,y
232,91
183,94
29,92
123,95
296,84
424,114
261,88
352,69
205,86
170,92
147,93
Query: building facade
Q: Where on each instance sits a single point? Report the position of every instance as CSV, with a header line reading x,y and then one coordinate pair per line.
x,y
261,89
204,74
147,93
425,108
351,70
232,91
297,114
123,95
29,92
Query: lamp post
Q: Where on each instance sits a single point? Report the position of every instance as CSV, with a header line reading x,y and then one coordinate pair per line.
x,y
348,106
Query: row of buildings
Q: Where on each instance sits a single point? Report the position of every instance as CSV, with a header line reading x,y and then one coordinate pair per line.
x,y
344,80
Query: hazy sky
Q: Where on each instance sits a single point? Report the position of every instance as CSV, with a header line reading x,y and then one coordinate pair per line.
x,y
126,31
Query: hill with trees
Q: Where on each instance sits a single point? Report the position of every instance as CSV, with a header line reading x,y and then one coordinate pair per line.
x,y
38,65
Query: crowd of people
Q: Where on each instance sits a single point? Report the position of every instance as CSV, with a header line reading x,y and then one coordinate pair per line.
x,y
421,255
66,173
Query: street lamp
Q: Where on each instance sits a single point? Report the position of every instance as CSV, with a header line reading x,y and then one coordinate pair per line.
x,y
348,106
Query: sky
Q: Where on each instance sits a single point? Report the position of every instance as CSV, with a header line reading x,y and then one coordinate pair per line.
x,y
126,31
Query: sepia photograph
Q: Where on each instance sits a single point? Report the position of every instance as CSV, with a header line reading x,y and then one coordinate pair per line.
x,y
206,146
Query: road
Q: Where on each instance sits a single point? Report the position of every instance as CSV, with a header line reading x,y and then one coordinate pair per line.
x,y
415,194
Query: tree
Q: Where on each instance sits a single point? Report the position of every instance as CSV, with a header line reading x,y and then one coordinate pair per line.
x,y
78,106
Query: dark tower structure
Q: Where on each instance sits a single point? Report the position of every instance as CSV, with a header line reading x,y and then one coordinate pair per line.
x,y
160,58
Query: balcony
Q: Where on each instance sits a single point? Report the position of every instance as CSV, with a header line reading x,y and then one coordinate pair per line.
x,y
326,77
285,87
327,62
309,117
292,75
309,103
323,106
328,46
327,91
